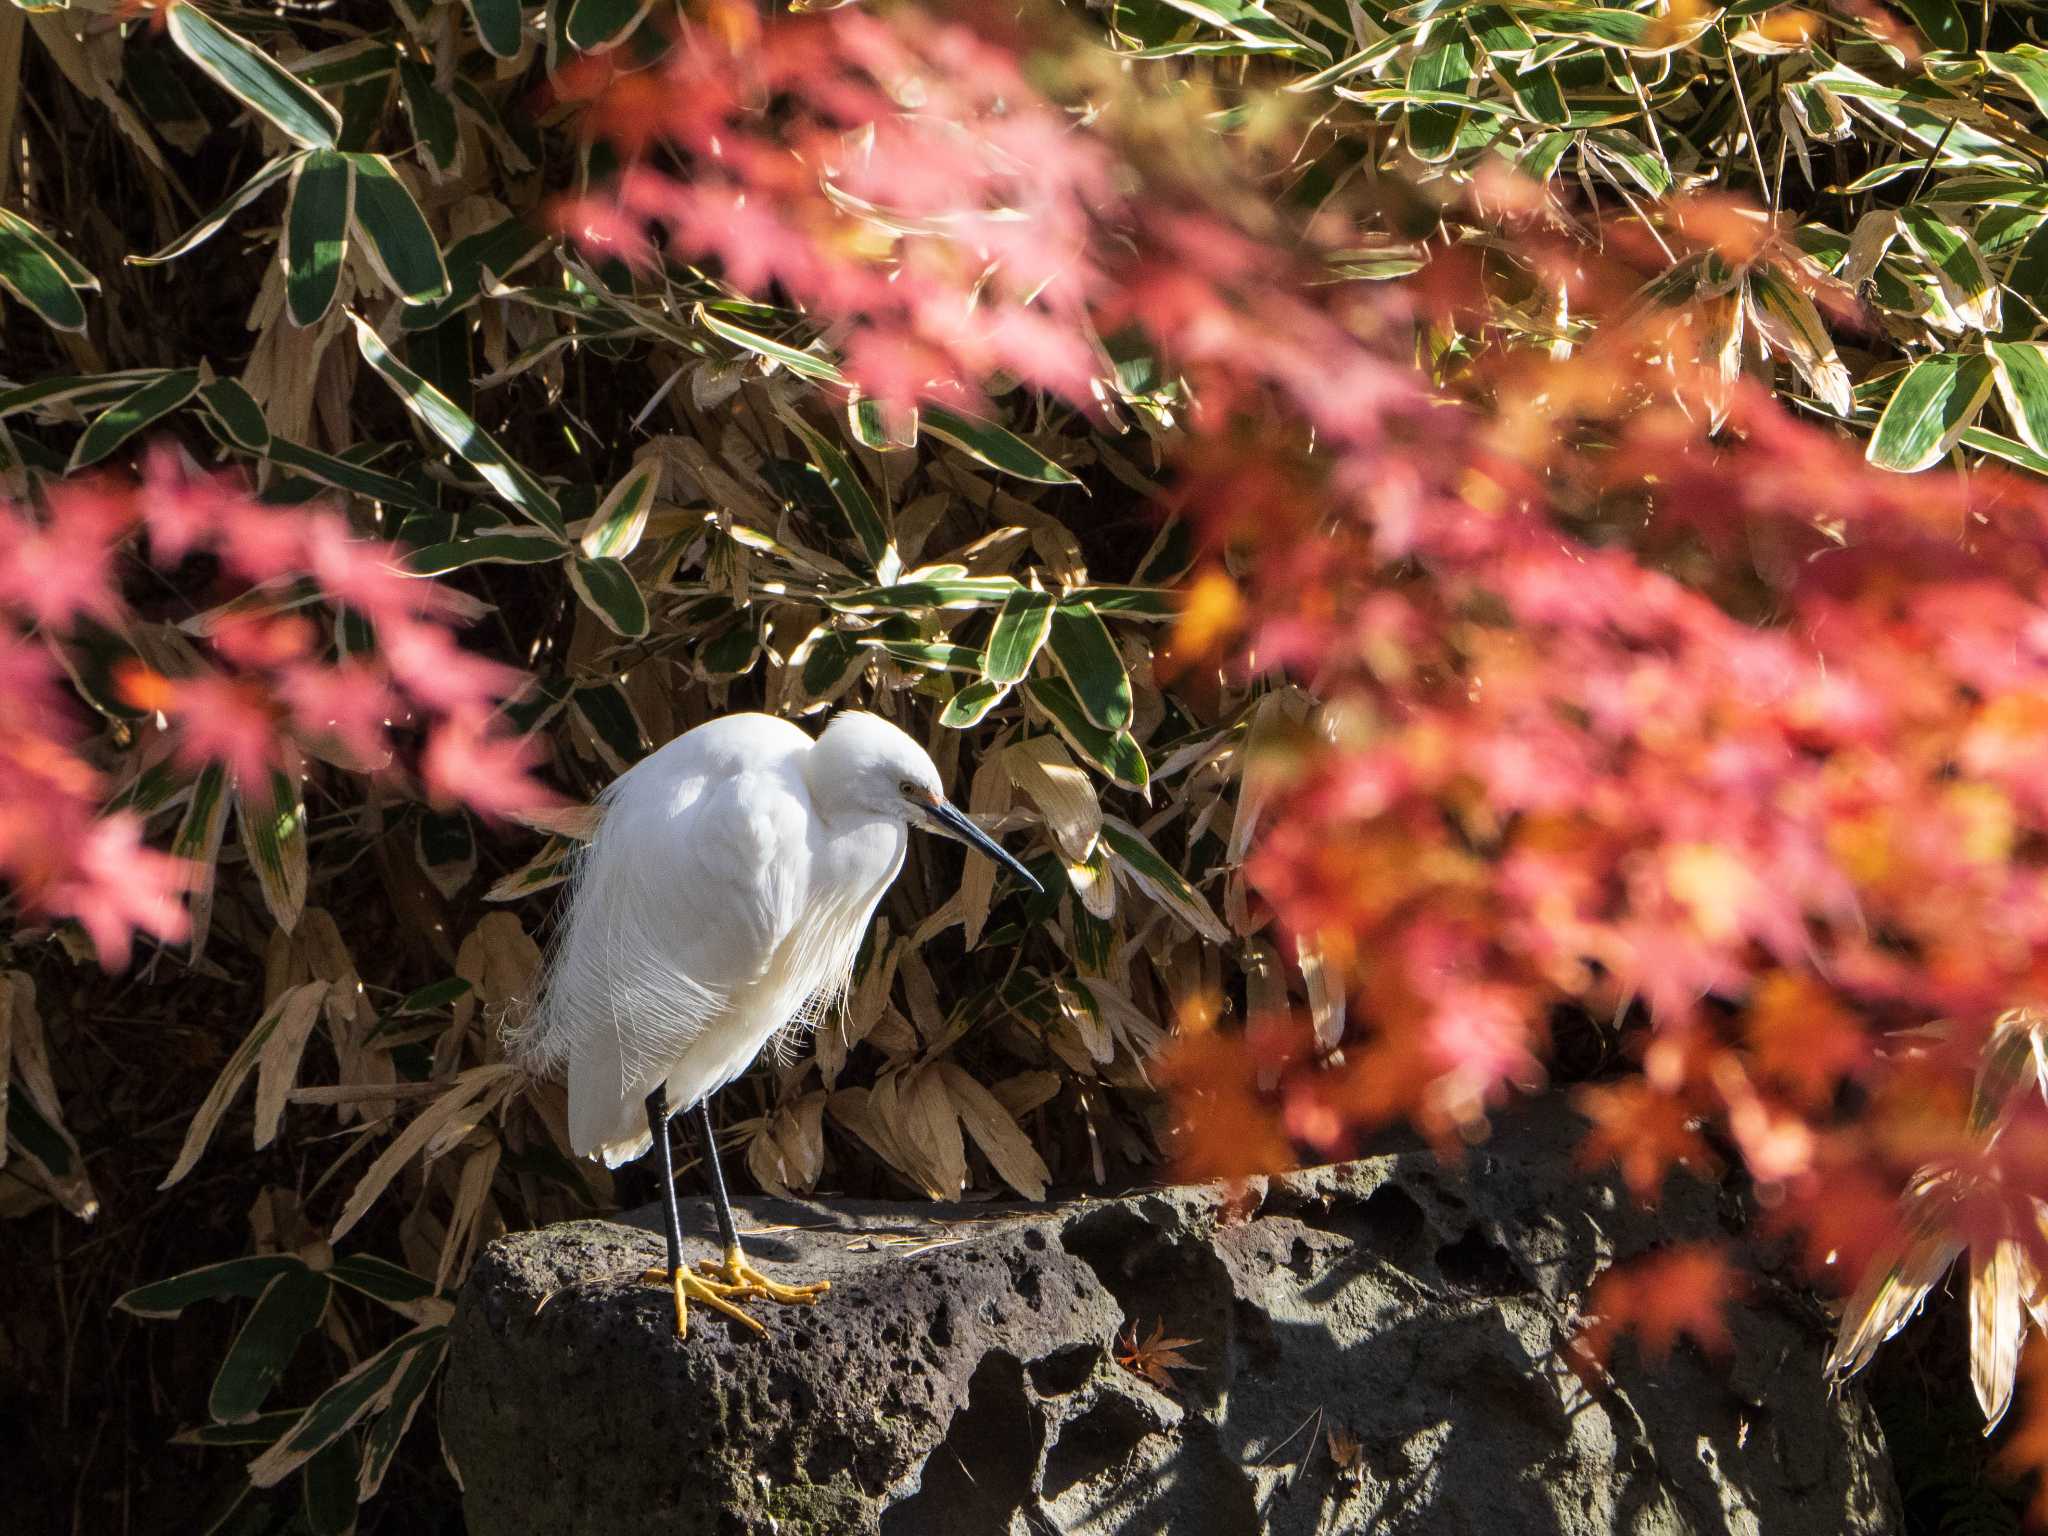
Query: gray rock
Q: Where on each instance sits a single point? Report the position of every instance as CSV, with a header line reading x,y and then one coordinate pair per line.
x,y
1378,1347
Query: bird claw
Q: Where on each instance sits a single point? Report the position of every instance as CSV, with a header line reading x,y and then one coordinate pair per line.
x,y
739,1279
689,1286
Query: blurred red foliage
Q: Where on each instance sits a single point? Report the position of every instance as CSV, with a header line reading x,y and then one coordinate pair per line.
x,y
261,697
1641,696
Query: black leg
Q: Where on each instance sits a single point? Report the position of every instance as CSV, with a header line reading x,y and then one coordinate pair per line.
x,y
727,1232
657,1127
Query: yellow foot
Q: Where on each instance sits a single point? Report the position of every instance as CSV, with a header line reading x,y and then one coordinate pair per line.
x,y
691,1287
737,1278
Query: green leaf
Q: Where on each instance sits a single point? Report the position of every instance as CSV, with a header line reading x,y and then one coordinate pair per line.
x,y
432,114
1787,319
497,251
994,446
1631,31
431,998
255,79
615,527
290,1306
146,406
35,270
380,1279
316,234
328,1490
209,226
1020,629
1088,659
197,842
918,595
338,1409
849,494
1940,22
1443,68
2026,67
274,838
1160,880
804,364
454,427
608,590
237,414
498,24
346,476
2022,373
261,1430
403,1402
395,234
1115,753
969,706
1958,266
1933,405
596,25
1139,603
249,1276
606,709
830,660
515,548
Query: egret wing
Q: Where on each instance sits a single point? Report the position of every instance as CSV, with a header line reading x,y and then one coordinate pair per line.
x,y
678,905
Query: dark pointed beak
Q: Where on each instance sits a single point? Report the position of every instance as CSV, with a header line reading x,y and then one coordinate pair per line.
x,y
950,820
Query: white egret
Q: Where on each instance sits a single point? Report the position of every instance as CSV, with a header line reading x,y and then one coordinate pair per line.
x,y
721,903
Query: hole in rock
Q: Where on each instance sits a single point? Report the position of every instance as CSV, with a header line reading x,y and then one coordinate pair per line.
x,y
1064,1370
1094,1442
981,1472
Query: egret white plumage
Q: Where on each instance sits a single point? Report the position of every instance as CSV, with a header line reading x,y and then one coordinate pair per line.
x,y
723,901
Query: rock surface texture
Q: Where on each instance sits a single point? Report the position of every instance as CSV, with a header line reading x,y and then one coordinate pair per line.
x,y
1378,1348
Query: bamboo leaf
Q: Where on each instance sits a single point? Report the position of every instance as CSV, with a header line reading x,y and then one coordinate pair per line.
x,y
316,234
305,996
1958,266
1788,321
593,26
36,272
1161,881
971,704
515,548
1088,659
255,79
615,527
1020,630
1115,753
804,364
1441,70
848,492
394,232
1933,405
235,411
290,1306
337,1410
145,407
403,1402
244,1277
455,428
997,447
498,25
608,590
274,837
432,115
2022,373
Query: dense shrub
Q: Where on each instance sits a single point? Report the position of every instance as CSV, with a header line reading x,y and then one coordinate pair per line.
x,y
1423,521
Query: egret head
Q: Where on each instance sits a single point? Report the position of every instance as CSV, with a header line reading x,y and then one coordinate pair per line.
x,y
864,763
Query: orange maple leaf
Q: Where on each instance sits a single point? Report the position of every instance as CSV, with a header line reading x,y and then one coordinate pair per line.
x,y
1155,1357
1682,1290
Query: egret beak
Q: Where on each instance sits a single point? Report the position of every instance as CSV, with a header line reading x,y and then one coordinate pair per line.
x,y
949,820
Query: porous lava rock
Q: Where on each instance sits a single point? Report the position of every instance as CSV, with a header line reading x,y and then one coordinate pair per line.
x,y
1378,1346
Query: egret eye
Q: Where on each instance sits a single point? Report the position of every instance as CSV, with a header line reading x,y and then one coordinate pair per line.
x,y
911,790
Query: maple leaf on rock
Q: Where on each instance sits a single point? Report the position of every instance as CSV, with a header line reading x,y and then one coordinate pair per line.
x,y
1155,1357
